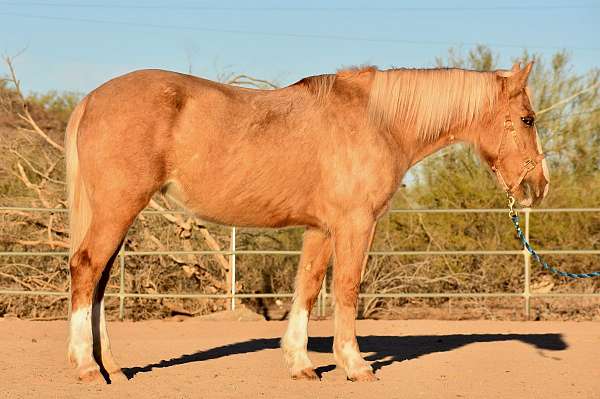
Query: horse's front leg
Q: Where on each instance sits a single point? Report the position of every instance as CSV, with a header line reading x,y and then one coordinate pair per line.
x,y
352,239
316,251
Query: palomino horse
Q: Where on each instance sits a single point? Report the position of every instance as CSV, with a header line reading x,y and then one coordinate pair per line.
x,y
327,153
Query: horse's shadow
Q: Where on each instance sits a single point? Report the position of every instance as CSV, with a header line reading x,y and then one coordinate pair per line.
x,y
384,350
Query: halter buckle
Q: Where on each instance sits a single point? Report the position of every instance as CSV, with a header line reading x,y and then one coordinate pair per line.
x,y
529,165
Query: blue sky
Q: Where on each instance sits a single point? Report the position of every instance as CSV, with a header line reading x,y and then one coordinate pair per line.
x,y
77,45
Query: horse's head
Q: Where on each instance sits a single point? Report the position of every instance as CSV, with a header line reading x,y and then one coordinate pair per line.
x,y
512,148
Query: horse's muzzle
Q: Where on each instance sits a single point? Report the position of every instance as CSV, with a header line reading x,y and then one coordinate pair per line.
x,y
532,193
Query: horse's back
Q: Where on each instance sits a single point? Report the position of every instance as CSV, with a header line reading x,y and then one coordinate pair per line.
x,y
150,93
222,148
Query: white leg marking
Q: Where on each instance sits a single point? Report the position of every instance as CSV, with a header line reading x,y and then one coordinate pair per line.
x,y
353,361
108,360
80,339
295,340
346,353
104,341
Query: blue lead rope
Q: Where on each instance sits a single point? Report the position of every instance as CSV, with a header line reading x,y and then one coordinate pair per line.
x,y
515,219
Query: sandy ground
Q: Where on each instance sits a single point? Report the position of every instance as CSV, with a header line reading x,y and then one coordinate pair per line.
x,y
220,359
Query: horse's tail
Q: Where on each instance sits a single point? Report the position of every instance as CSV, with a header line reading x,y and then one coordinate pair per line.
x,y
80,211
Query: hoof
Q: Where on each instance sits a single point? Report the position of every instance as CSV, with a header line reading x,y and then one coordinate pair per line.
x,y
305,374
90,375
363,376
117,377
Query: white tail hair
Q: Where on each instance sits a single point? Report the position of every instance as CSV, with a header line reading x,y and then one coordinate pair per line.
x,y
80,212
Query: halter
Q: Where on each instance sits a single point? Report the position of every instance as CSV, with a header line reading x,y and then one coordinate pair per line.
x,y
528,163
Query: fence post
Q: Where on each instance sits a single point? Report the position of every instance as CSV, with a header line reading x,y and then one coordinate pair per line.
x,y
231,276
527,265
122,281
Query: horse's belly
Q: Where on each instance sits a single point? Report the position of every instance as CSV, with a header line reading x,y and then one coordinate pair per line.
x,y
237,206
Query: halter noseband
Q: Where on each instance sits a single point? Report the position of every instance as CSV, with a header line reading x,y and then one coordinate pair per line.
x,y
528,163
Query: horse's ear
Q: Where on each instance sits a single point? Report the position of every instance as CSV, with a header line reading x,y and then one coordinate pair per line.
x,y
518,81
516,67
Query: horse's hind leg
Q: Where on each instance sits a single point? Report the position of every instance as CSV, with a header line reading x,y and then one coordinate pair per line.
x,y
90,266
104,353
316,251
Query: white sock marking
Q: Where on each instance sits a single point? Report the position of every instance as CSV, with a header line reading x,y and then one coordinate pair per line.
x,y
295,340
80,339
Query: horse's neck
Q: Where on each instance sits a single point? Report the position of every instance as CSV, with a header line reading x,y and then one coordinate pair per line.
x,y
426,110
417,150
421,150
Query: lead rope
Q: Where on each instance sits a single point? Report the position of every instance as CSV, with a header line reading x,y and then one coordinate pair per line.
x,y
515,219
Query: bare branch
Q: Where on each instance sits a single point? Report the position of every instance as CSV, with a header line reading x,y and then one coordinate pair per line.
x,y
23,177
44,175
190,266
246,80
210,240
568,99
25,115
17,280
51,243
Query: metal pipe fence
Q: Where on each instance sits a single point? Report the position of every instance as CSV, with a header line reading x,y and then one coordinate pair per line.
x,y
232,295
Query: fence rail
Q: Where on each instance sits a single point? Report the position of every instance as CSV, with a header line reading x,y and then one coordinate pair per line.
x,y
232,295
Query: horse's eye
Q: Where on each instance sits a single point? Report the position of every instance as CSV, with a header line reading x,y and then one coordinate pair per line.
x,y
528,120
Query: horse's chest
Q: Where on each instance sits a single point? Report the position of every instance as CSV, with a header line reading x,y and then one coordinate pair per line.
x,y
362,174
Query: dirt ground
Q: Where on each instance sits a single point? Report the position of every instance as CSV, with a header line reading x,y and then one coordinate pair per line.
x,y
242,359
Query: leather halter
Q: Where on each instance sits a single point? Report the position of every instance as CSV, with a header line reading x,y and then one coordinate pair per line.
x,y
528,163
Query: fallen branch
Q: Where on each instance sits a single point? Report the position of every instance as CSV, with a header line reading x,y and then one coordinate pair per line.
x,y
51,243
210,240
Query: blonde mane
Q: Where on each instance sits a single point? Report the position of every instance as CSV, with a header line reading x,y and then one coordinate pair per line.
x,y
431,101
320,86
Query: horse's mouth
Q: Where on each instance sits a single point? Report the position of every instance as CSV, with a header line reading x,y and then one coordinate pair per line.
x,y
530,195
